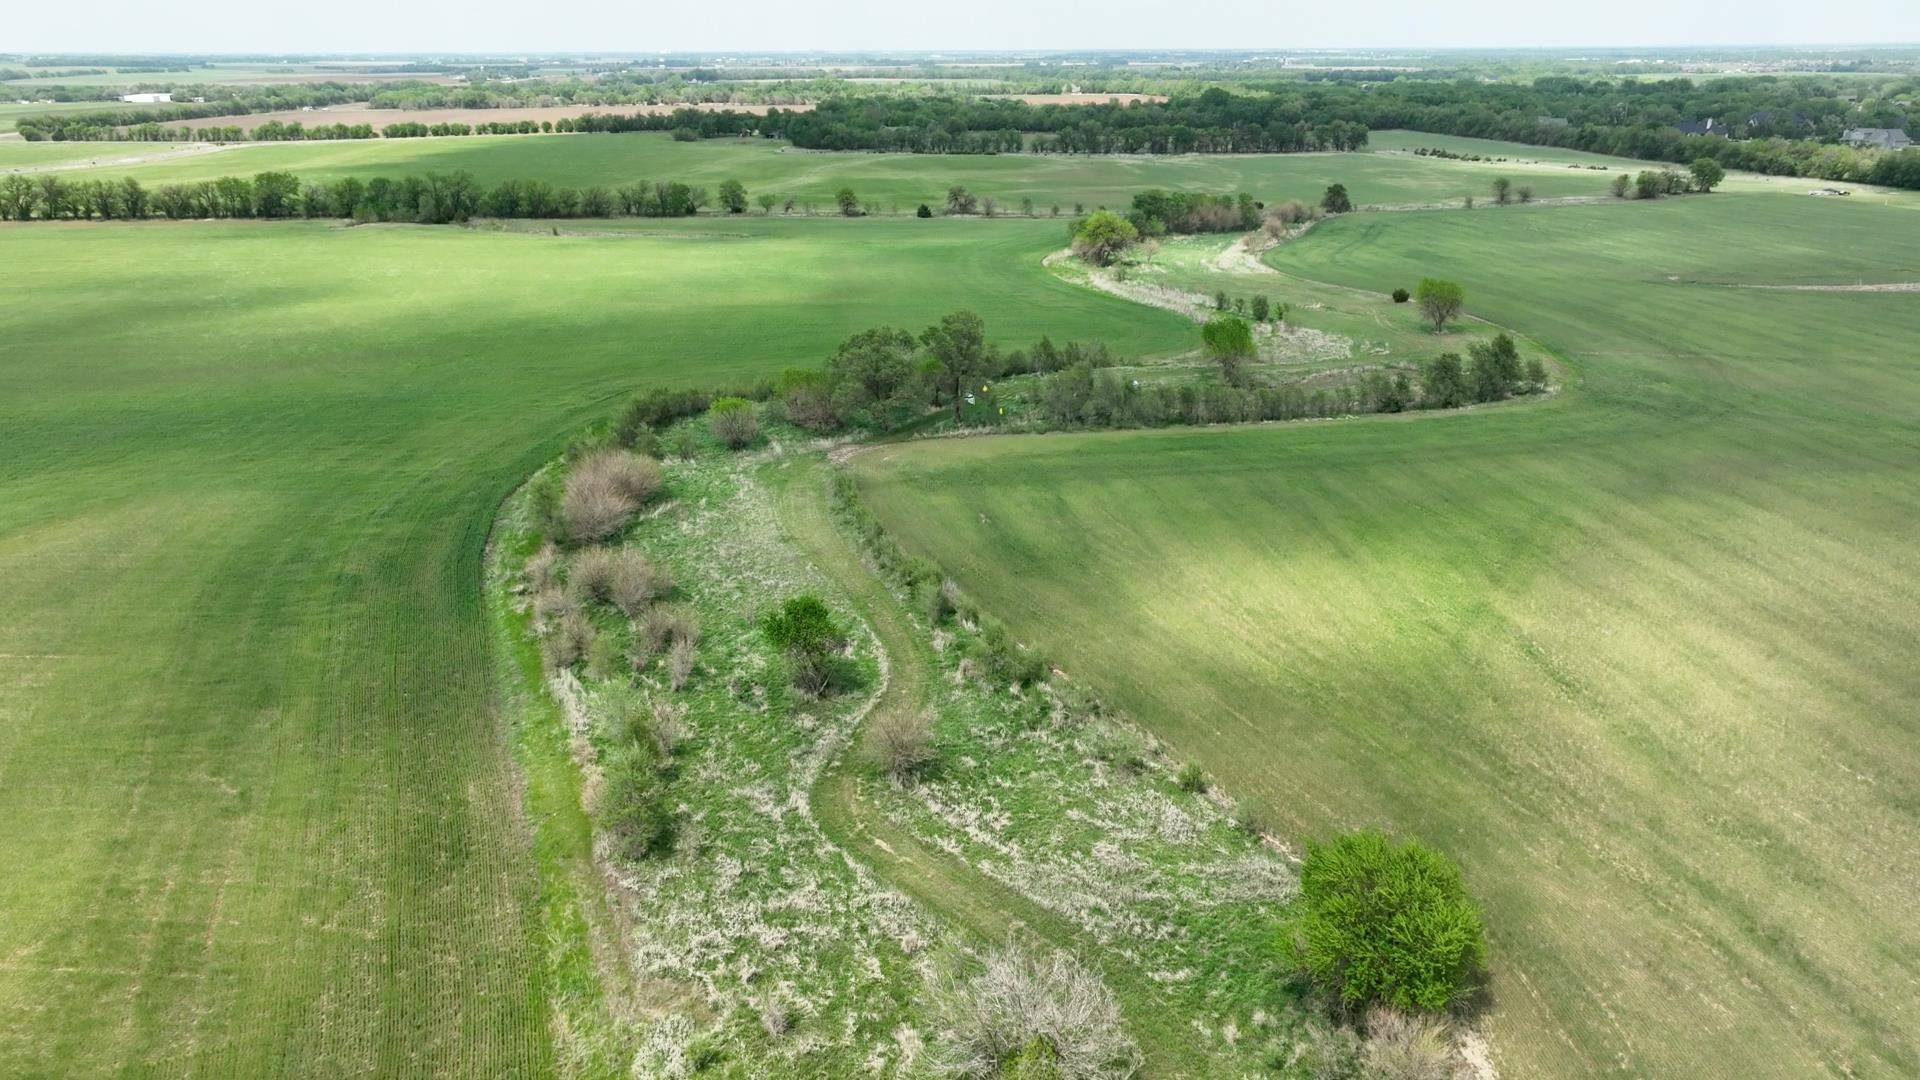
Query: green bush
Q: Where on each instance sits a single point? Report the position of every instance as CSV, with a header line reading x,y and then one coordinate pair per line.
x,y
1382,923
733,421
1401,296
634,805
1192,778
804,630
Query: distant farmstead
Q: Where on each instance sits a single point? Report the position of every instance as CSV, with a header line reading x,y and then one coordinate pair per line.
x,y
1878,138
1709,126
146,99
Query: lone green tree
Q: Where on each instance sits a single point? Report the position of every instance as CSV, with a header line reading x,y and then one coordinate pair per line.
x,y
803,629
1444,382
1707,174
1229,340
1102,236
848,202
767,203
733,196
957,345
1386,924
1335,201
1440,301
1502,190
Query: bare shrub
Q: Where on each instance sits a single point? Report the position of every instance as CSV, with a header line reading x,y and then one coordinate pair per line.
x,y
774,1017
621,576
637,583
669,728
1052,1011
551,603
590,573
593,509
636,477
902,743
663,626
542,565
603,491
568,637
1402,1046
680,663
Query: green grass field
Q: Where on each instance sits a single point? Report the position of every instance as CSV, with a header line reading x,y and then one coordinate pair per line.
x,y
260,814
902,179
1640,656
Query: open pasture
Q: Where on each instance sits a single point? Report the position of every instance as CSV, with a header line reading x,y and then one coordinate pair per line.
x,y
894,180
260,817
1641,655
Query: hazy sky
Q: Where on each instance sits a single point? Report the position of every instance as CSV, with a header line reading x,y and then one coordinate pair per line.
x,y
626,26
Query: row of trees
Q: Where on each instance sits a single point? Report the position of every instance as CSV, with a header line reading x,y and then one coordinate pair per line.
x,y
1213,121
193,103
1702,177
432,198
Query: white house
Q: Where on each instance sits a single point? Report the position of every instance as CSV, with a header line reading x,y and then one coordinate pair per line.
x,y
145,99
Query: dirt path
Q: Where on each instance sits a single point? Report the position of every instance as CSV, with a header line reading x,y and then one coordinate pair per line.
x,y
173,152
1885,287
982,909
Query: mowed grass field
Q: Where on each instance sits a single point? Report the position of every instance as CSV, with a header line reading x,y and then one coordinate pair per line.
x,y
260,819
896,181
1641,656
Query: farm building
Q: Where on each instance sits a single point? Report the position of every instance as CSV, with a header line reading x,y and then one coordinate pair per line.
x,y
146,99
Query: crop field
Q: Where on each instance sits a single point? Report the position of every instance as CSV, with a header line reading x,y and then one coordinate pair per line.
x,y
260,813
1640,655
896,181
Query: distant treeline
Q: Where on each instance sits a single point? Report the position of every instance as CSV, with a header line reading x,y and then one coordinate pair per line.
x,y
1213,121
99,125
433,199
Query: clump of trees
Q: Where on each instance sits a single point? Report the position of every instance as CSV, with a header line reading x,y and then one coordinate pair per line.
x,y
1386,924
1156,212
431,198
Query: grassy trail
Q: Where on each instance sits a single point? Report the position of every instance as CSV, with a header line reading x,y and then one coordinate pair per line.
x,y
973,903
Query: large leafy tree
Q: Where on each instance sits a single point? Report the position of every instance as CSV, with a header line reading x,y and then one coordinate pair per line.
x,y
957,345
1440,300
1382,923
1229,340
1101,236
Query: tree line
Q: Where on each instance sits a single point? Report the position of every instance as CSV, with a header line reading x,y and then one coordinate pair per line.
x,y
109,124
1213,121
432,198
